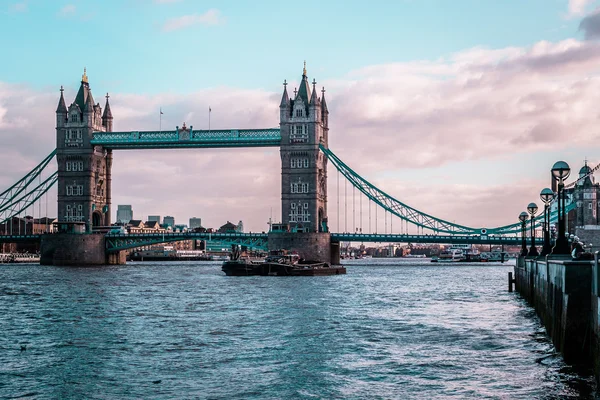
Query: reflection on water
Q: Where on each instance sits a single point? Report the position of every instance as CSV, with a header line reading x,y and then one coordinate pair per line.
x,y
388,329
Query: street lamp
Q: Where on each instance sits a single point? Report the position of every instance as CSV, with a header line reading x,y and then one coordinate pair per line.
x,y
532,209
560,172
546,195
523,218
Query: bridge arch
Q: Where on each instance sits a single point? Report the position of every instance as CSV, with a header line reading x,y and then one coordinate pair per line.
x,y
96,218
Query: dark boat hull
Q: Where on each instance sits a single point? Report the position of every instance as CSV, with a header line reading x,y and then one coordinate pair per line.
x,y
241,268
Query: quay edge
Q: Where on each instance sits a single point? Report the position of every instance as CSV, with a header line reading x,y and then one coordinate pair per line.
x,y
565,295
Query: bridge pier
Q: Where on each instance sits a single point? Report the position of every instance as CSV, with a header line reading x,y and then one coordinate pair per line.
x,y
311,246
67,249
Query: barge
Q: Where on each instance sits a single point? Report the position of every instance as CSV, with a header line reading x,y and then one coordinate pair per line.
x,y
278,264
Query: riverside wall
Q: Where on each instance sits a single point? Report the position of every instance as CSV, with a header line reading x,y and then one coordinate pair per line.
x,y
564,294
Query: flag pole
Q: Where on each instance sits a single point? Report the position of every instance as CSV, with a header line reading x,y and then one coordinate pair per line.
x,y
160,120
209,110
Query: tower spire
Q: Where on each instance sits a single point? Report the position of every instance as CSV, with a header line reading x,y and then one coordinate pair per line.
x,y
323,102
285,99
62,107
84,78
304,89
107,112
313,98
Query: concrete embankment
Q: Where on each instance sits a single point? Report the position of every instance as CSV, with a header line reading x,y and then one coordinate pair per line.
x,y
565,296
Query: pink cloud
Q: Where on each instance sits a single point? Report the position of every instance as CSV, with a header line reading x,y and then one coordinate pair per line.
x,y
392,123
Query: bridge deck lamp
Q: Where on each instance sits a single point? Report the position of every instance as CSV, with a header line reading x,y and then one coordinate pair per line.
x,y
560,172
532,209
523,217
546,195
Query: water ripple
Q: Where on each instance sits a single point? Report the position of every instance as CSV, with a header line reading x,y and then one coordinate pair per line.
x,y
388,329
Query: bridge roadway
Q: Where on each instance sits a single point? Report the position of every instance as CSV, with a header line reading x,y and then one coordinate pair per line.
x,y
188,138
117,242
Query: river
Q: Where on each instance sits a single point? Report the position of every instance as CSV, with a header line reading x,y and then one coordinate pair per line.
x,y
389,329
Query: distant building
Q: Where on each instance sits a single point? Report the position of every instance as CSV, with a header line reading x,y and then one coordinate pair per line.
x,y
154,218
124,213
195,222
240,227
180,228
228,228
169,221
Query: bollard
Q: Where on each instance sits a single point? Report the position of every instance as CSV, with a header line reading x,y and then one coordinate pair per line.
x,y
510,282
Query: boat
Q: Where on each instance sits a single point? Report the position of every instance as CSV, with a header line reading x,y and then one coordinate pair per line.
x,y
495,256
278,263
452,254
167,253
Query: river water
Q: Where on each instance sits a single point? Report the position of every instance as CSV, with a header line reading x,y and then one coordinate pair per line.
x,y
389,329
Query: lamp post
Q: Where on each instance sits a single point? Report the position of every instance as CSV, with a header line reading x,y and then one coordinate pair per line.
x,y
532,209
560,172
546,195
523,218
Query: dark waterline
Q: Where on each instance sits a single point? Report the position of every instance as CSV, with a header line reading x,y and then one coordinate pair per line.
x,y
388,329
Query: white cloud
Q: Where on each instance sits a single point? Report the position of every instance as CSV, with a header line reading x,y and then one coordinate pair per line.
x,y
19,7
481,127
67,10
578,7
211,17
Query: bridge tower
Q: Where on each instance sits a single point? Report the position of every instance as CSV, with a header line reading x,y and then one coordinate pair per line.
x,y
304,125
84,170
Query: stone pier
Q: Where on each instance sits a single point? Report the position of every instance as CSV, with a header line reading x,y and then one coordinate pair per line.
x,y
71,249
309,245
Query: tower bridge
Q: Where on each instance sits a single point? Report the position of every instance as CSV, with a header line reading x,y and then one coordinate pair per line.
x,y
86,140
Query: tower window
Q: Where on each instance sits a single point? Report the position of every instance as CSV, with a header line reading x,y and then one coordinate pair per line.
x,y
299,133
299,112
299,212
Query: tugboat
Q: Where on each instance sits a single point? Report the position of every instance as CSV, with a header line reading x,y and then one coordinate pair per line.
x,y
277,263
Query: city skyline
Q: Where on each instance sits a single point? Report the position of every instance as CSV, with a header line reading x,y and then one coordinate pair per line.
x,y
456,129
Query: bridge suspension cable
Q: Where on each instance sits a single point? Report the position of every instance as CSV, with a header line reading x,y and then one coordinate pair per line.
x,y
10,194
412,215
16,206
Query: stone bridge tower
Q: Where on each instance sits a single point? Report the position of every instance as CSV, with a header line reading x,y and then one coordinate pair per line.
x,y
304,125
84,170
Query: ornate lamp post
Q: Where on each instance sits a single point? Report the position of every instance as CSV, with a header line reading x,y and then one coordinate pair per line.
x,y
560,172
523,218
546,195
532,209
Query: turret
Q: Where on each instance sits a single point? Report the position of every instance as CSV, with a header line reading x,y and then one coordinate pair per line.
x,y
314,104
107,118
88,111
324,110
284,106
61,110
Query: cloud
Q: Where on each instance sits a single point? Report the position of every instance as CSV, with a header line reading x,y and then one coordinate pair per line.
x,y
19,7
67,10
578,7
211,17
407,127
590,25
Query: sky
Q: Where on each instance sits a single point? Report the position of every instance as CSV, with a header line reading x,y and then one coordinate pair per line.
x,y
458,109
